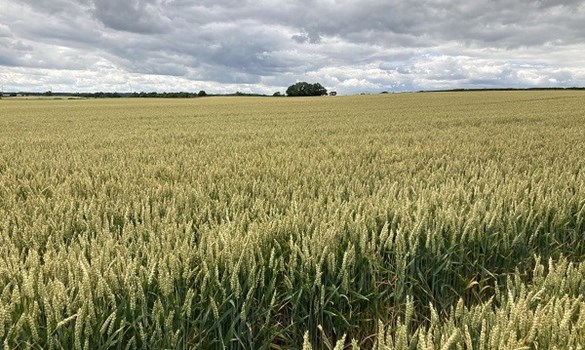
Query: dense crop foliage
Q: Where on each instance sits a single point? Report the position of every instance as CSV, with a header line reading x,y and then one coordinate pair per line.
x,y
414,221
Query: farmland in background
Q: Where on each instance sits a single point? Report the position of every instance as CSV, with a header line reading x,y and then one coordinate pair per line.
x,y
408,221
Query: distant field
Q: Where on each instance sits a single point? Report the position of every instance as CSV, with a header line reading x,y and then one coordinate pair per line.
x,y
407,221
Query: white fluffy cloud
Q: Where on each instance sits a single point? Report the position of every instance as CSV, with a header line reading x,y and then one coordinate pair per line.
x,y
264,46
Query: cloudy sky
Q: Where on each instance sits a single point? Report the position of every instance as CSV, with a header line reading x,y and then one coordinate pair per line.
x,y
264,46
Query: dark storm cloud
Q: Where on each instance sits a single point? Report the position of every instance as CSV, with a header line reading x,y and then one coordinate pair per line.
x,y
351,46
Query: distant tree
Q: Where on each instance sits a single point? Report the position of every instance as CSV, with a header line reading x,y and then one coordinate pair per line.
x,y
306,89
277,94
202,93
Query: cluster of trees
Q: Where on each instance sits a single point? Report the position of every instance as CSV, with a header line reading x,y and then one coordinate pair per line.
x,y
306,89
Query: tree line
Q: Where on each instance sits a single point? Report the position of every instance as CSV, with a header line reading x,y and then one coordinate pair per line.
x,y
297,89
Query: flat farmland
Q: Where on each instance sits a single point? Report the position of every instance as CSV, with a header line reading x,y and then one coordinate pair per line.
x,y
401,221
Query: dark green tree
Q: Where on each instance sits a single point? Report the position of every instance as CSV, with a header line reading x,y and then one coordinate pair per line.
x,y
305,89
202,93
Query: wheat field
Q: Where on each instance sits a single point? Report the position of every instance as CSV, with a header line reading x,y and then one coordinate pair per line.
x,y
400,221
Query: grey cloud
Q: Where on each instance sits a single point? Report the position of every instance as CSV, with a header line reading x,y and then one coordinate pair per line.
x,y
68,29
312,37
138,16
564,3
6,60
5,31
56,7
20,46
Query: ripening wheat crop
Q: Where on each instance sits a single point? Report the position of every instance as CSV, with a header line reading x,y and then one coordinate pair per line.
x,y
411,221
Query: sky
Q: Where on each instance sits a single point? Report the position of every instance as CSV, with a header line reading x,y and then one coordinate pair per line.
x,y
263,46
